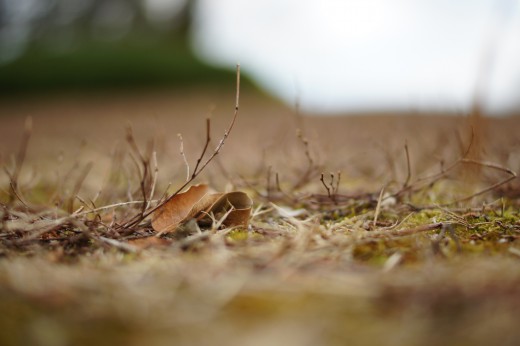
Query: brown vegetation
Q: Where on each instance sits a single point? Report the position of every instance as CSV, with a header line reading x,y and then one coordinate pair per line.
x,y
363,229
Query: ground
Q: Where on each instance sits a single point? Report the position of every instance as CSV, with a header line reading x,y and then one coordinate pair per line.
x,y
387,256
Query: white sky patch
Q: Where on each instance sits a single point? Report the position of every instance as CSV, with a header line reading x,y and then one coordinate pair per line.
x,y
505,80
366,54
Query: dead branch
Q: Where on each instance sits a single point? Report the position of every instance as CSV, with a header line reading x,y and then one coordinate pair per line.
x,y
409,169
77,186
512,175
311,168
422,182
325,185
130,139
336,189
143,167
208,140
378,206
154,182
138,218
268,187
404,232
19,161
184,157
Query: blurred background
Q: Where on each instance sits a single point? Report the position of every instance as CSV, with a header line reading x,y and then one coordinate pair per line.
x,y
325,56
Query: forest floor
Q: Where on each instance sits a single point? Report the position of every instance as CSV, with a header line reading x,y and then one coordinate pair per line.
x,y
410,236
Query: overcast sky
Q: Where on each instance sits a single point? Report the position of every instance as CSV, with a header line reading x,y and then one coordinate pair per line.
x,y
341,55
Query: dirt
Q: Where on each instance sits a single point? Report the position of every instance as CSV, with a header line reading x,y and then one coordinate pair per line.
x,y
330,275
89,127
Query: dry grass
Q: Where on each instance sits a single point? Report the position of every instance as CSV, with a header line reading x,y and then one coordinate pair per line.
x,y
369,258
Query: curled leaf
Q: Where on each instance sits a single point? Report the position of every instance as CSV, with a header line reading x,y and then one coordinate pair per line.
x,y
233,209
235,206
183,206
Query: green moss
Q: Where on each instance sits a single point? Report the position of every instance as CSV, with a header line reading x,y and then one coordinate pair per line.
x,y
240,235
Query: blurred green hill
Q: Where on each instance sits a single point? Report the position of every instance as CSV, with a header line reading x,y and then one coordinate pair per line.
x,y
93,45
125,64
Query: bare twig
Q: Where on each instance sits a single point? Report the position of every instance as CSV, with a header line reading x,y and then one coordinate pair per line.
x,y
409,169
332,189
20,158
14,191
378,207
184,157
77,186
137,219
208,140
154,182
512,175
325,185
133,144
85,203
336,189
278,187
143,167
404,232
268,187
228,130
429,180
112,206
306,176
471,142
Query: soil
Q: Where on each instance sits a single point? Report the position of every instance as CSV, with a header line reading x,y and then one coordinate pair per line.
x,y
327,277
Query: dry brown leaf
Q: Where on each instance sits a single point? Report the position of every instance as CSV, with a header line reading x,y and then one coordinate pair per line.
x,y
205,203
236,204
179,208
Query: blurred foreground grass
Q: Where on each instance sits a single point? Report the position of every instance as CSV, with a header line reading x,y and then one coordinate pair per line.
x,y
218,297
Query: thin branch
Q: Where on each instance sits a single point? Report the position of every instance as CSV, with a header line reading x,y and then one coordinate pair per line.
x,y
111,206
336,189
77,186
277,181
85,203
228,130
325,185
332,188
208,140
268,187
409,169
306,176
184,157
143,185
378,207
471,142
137,219
154,182
15,192
404,232
419,184
146,181
133,144
512,175
20,159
